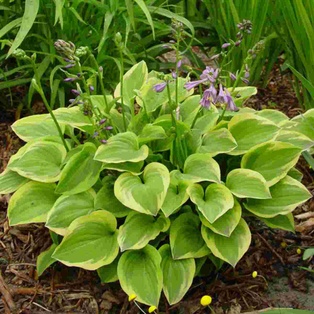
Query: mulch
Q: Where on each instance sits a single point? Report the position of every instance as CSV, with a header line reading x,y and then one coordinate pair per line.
x,y
273,254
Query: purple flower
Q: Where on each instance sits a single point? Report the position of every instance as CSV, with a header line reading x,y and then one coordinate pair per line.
x,y
225,45
102,121
230,103
237,43
91,88
221,98
109,127
179,64
173,74
70,65
69,79
210,74
95,134
159,87
244,80
103,141
232,76
193,84
75,92
209,97
71,101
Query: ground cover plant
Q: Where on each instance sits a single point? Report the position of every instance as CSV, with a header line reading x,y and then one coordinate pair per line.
x,y
152,182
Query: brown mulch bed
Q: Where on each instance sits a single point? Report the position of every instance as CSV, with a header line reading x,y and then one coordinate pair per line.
x,y
71,290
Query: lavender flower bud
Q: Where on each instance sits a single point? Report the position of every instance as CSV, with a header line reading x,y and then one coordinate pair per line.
x,y
232,76
65,49
225,45
103,141
70,65
109,127
91,88
75,92
71,101
237,43
95,134
174,74
69,79
179,64
101,69
244,80
159,87
102,121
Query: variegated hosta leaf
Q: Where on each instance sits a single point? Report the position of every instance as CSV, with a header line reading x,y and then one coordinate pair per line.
x,y
201,167
232,248
225,224
272,160
217,142
207,122
35,127
120,148
109,273
304,124
138,229
247,183
287,194
275,116
10,181
284,222
145,196
185,238
44,260
150,133
31,203
133,80
177,275
41,161
140,273
81,172
215,202
295,138
90,241
176,195
250,130
69,207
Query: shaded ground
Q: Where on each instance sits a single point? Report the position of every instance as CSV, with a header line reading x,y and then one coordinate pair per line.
x,y
281,282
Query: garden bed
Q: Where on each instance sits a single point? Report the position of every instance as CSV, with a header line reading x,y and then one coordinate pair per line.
x,y
273,254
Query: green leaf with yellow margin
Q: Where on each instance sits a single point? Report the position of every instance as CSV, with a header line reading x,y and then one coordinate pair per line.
x,y
215,202
138,229
245,183
250,130
287,194
31,203
147,195
225,224
140,273
81,172
284,222
185,238
230,249
90,242
10,181
120,148
177,275
69,207
44,260
272,160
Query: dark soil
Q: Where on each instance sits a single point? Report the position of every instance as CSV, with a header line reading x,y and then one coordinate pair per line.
x,y
281,281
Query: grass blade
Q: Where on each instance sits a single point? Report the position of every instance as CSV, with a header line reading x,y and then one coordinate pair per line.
x,y
30,13
145,10
10,26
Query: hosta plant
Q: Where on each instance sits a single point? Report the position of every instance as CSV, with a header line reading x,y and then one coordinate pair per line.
x,y
147,184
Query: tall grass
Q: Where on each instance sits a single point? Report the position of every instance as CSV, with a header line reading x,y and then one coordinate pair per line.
x,y
34,25
294,23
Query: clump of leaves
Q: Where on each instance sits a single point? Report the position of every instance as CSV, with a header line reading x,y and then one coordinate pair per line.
x,y
147,184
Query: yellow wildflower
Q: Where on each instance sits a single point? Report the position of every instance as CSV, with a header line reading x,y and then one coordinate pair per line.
x,y
254,274
283,245
299,251
152,309
206,300
132,297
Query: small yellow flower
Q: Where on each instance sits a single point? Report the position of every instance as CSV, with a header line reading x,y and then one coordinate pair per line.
x,y
299,251
152,309
206,300
283,245
132,297
254,274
